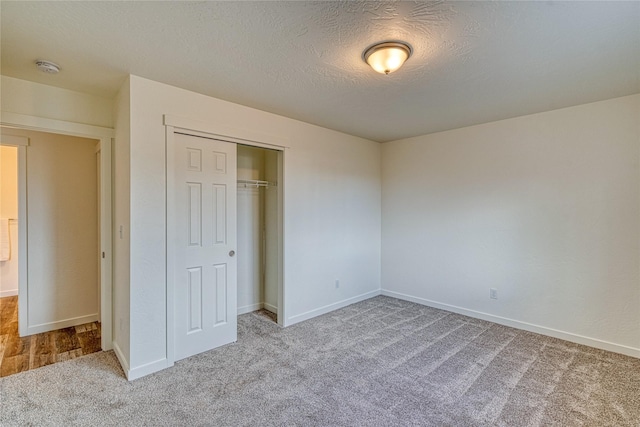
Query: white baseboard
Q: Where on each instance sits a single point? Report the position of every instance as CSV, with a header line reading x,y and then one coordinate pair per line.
x,y
567,336
271,308
255,307
140,371
330,307
8,293
146,369
52,326
249,308
120,356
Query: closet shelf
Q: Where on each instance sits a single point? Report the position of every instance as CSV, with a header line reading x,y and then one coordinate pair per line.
x,y
252,183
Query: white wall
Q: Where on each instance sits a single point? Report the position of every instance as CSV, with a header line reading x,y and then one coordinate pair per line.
x,y
62,241
545,208
9,209
121,215
35,99
250,230
271,235
331,203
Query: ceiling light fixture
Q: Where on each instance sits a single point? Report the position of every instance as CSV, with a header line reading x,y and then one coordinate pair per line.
x,y
47,67
386,57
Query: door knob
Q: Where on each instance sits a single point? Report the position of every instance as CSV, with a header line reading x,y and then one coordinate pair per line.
x,y
232,253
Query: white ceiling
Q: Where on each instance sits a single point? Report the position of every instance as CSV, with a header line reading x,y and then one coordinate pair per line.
x,y
473,62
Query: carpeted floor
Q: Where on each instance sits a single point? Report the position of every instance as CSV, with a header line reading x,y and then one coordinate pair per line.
x,y
381,362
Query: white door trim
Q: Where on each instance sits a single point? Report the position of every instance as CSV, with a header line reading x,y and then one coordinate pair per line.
x,y
43,124
171,237
192,127
106,235
226,133
103,135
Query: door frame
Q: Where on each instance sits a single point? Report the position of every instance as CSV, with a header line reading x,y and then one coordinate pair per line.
x,y
224,133
104,137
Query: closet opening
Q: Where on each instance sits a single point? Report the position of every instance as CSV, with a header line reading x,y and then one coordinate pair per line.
x,y
225,237
258,235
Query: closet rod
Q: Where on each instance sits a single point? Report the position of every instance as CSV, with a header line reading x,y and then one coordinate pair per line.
x,y
255,183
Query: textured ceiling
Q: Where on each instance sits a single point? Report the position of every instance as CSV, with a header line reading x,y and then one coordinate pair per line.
x,y
473,62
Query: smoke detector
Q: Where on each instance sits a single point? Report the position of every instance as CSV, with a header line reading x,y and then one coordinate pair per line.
x,y
47,67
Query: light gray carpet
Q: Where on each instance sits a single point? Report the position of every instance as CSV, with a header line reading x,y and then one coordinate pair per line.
x,y
381,362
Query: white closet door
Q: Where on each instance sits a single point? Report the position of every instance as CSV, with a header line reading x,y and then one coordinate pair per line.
x,y
205,268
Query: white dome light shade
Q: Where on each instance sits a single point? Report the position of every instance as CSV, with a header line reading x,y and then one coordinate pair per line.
x,y
387,57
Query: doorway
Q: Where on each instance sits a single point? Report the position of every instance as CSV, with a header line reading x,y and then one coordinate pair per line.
x,y
63,240
203,306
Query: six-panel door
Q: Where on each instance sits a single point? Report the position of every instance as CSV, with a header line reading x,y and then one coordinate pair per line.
x,y
205,268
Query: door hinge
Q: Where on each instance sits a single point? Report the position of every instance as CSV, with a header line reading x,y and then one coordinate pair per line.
x,y
103,255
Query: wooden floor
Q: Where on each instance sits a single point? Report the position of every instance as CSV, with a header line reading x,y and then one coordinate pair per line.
x,y
21,354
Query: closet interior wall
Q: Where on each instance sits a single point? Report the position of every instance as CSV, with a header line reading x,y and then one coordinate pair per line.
x,y
257,231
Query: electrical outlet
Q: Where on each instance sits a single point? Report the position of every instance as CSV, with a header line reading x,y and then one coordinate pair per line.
x,y
337,283
493,293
